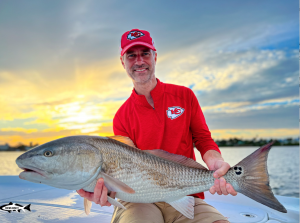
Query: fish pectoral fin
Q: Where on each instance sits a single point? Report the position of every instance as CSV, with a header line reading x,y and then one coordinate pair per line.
x,y
176,158
115,202
116,185
185,206
87,206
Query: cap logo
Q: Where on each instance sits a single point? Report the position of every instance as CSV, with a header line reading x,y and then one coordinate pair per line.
x,y
134,35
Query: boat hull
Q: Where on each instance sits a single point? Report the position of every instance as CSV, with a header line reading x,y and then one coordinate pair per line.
x,y
49,203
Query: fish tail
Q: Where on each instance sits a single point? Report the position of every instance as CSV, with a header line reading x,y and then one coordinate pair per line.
x,y
253,178
27,207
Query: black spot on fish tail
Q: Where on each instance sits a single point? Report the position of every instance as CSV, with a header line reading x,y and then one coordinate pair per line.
x,y
238,170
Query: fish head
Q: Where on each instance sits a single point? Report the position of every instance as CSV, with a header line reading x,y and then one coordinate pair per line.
x,y
62,163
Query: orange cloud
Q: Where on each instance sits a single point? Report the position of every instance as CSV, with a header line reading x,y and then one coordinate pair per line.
x,y
251,133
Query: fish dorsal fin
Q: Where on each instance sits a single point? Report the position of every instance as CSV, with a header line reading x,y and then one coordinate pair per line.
x,y
176,158
123,139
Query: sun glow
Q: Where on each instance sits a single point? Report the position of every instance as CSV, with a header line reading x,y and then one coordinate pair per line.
x,y
83,116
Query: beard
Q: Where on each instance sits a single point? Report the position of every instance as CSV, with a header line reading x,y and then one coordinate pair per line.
x,y
143,77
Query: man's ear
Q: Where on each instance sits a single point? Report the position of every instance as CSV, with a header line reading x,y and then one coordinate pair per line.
x,y
155,58
121,58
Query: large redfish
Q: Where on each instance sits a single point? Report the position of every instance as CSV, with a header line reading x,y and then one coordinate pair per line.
x,y
140,176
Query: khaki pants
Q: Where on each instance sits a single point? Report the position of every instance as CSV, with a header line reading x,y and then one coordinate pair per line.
x,y
161,212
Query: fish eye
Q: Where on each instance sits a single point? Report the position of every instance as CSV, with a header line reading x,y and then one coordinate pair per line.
x,y
48,153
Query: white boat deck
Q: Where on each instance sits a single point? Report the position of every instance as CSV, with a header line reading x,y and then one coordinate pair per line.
x,y
50,204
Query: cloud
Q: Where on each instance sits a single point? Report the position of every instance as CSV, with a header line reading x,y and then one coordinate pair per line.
x,y
211,71
254,133
17,130
240,89
60,71
274,117
237,107
48,35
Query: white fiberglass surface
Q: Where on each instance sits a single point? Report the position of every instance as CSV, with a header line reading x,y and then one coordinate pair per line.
x,y
46,203
52,204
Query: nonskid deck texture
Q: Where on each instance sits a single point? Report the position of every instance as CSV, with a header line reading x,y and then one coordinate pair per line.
x,y
50,204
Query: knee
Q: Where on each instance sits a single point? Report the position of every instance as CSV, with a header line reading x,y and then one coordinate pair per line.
x,y
221,221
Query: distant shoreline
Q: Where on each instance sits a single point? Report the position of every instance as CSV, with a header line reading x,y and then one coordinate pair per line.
x,y
223,147
232,142
254,146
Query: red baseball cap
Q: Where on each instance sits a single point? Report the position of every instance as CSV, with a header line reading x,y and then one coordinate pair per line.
x,y
136,37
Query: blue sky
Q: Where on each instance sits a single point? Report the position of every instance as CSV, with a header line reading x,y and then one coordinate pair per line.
x,y
60,72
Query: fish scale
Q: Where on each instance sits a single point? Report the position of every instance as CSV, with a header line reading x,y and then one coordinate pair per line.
x,y
145,189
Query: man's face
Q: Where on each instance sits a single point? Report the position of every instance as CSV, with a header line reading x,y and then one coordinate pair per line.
x,y
139,63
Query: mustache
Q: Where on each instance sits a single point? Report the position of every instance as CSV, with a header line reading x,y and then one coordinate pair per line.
x,y
139,66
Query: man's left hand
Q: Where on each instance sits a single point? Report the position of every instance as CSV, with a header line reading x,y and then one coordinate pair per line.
x,y
220,186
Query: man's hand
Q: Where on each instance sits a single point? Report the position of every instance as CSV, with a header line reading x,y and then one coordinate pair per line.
x,y
100,194
220,186
214,161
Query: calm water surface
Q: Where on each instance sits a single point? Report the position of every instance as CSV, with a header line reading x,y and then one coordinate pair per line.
x,y
283,166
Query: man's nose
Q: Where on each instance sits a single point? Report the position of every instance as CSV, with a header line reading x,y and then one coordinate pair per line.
x,y
139,60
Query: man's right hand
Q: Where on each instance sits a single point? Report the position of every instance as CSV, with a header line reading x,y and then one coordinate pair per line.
x,y
100,194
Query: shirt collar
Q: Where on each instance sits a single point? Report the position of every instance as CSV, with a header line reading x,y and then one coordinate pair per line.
x,y
156,94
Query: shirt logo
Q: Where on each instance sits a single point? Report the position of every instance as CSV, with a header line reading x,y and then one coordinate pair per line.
x,y
174,112
134,35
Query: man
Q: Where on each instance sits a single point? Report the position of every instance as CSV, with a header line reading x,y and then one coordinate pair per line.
x,y
161,116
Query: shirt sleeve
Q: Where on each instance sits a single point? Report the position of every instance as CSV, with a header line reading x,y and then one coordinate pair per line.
x,y
200,132
118,127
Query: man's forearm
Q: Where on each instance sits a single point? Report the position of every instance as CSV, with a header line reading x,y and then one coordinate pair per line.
x,y
210,157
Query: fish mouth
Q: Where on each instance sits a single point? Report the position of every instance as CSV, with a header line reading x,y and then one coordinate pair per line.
x,y
32,170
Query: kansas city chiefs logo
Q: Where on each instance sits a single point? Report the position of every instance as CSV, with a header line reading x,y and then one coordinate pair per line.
x,y
174,112
134,35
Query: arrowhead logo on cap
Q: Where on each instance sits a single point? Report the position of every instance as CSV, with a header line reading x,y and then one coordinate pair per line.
x,y
134,35
132,38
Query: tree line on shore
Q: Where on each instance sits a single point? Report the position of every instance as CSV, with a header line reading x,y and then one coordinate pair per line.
x,y
257,142
221,143
19,147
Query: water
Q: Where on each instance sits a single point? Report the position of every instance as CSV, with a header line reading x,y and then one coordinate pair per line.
x,y
8,164
283,166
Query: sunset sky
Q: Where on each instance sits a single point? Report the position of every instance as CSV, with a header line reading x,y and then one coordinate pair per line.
x,y
60,72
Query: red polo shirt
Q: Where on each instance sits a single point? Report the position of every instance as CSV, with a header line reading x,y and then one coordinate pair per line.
x,y
173,125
